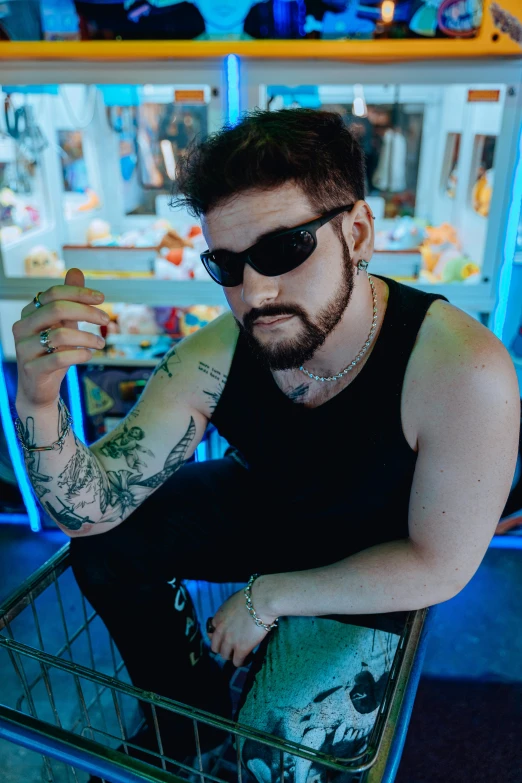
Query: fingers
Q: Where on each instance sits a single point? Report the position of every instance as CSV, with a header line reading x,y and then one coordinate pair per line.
x,y
75,277
53,313
60,338
59,360
70,293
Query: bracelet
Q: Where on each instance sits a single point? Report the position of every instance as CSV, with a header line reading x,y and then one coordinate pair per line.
x,y
23,432
250,606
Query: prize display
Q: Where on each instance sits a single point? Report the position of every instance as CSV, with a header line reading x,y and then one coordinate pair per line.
x,y
204,20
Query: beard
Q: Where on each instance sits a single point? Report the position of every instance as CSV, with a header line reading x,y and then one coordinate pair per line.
x,y
292,353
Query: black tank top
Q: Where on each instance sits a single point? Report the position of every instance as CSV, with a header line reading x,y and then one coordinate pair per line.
x,y
338,477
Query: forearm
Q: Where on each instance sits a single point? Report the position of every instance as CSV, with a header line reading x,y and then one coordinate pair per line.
x,y
68,479
390,577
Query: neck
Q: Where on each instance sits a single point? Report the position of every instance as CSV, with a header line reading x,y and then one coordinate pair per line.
x,y
345,342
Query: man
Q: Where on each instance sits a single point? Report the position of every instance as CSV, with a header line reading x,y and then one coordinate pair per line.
x,y
376,428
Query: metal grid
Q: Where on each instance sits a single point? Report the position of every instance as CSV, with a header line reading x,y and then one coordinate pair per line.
x,y
76,704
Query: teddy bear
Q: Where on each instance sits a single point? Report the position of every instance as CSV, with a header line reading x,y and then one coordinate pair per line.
x,y
42,262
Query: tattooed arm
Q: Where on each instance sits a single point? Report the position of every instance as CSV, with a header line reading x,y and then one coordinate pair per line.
x,y
89,490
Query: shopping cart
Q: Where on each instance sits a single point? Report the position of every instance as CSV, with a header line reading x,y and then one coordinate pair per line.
x,y
65,695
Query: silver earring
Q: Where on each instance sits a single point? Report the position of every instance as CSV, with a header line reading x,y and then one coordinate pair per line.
x,y
362,264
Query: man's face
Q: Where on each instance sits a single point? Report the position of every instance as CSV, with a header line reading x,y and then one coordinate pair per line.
x,y
285,318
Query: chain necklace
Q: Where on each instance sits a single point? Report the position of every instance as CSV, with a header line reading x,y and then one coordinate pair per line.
x,y
361,352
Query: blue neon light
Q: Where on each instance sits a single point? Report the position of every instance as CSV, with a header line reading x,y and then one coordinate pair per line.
x,y
75,402
232,77
499,315
24,484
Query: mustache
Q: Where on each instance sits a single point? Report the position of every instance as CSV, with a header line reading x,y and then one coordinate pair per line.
x,y
271,311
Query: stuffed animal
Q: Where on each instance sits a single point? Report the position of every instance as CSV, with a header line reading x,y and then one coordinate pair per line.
x,y
92,201
192,255
196,317
99,232
481,193
42,262
438,239
137,319
454,267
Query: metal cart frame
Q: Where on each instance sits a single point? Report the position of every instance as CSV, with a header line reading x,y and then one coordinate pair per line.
x,y
81,744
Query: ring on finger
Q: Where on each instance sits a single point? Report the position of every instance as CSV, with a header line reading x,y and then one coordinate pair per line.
x,y
44,340
36,300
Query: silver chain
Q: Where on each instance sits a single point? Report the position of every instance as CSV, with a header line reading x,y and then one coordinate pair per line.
x,y
250,606
361,352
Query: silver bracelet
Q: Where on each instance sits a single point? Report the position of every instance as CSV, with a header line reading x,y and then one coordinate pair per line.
x,y
250,606
23,432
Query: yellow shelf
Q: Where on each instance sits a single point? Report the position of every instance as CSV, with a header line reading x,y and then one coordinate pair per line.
x,y
490,42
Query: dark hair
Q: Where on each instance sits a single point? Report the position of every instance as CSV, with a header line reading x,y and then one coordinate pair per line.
x,y
313,149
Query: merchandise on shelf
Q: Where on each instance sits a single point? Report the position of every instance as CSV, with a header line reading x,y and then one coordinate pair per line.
x,y
16,216
443,259
42,262
404,233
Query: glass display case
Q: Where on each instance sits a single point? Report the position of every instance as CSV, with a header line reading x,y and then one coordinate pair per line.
x,y
441,146
87,172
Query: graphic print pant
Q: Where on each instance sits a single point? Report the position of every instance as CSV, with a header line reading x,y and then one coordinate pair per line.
x,y
315,681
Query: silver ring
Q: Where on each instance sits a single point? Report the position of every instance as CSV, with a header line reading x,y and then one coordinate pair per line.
x,y
44,341
36,300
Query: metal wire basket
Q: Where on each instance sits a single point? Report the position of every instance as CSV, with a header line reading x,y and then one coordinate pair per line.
x,y
68,696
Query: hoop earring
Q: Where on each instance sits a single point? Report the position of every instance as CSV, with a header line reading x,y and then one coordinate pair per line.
x,y
362,264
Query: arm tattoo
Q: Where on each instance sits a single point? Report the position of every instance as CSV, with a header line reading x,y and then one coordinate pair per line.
x,y
171,357
127,491
126,445
214,397
220,378
83,474
117,492
33,458
175,459
299,393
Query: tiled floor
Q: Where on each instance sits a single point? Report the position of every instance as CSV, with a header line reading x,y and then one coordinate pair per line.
x,y
467,721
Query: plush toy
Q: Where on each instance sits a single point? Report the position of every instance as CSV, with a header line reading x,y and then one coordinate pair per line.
x,y
192,255
481,193
92,201
171,240
438,239
196,317
454,267
137,319
171,269
99,232
42,262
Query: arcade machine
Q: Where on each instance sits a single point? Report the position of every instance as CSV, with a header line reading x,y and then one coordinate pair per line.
x,y
93,128
88,162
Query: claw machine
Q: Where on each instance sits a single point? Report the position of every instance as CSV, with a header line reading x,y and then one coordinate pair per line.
x,y
91,130
87,171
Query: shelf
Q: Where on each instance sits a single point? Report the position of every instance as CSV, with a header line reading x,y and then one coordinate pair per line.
x,y
172,293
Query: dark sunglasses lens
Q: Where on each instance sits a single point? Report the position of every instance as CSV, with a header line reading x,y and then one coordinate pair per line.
x,y
284,253
222,268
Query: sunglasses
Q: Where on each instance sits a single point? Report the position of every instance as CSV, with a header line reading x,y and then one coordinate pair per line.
x,y
275,255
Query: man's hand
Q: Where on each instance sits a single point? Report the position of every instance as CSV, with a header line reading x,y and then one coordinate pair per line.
x,y
236,634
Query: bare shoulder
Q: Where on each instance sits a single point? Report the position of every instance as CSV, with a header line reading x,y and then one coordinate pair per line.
x,y
459,368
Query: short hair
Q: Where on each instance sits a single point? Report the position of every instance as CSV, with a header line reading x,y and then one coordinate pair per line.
x,y
266,149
